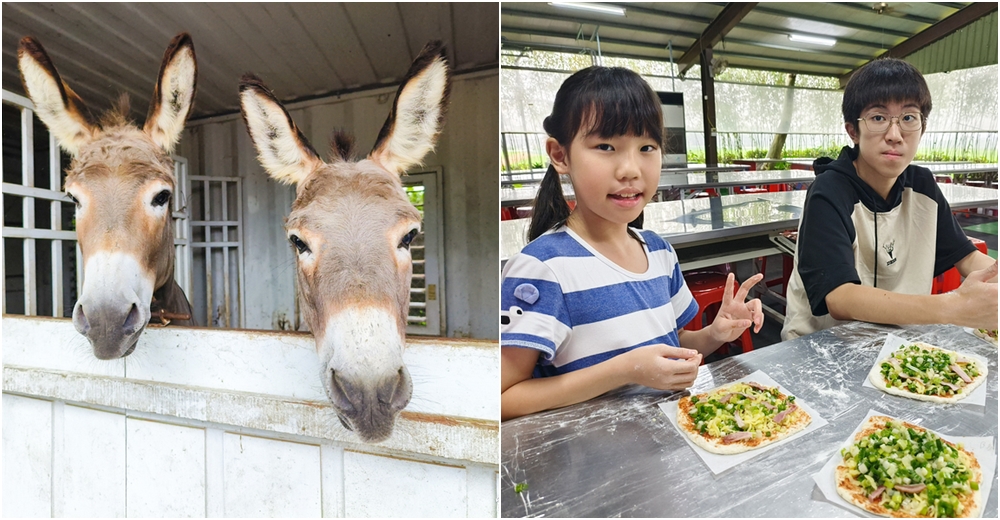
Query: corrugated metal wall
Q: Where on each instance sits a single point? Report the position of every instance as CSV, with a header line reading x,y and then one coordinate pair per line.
x,y
466,153
974,45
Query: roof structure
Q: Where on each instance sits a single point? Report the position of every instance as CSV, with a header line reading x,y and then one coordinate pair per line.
x,y
783,37
300,50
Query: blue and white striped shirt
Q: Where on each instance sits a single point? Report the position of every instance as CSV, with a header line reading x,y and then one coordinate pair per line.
x,y
562,297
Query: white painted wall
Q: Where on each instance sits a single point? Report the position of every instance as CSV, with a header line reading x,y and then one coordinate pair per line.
x,y
209,422
466,153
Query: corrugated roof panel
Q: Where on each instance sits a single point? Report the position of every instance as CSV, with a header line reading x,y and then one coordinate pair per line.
x,y
974,45
299,50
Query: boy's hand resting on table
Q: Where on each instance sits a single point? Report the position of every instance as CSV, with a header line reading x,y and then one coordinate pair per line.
x,y
662,367
975,302
735,314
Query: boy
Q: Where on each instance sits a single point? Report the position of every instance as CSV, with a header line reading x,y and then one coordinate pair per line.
x,y
875,229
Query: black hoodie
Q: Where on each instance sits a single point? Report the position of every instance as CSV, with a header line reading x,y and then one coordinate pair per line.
x,y
850,234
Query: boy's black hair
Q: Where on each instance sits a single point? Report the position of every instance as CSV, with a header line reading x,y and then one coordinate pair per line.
x,y
882,81
603,101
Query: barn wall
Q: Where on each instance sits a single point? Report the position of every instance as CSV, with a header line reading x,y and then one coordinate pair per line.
x,y
209,422
466,154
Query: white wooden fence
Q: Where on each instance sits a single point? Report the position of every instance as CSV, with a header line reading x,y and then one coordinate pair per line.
x,y
208,422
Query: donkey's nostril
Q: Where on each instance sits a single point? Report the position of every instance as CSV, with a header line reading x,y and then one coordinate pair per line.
x,y
132,320
340,392
402,391
80,320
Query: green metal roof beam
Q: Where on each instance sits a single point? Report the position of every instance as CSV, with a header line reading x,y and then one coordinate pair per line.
x,y
657,47
742,25
971,13
507,44
602,23
719,28
669,33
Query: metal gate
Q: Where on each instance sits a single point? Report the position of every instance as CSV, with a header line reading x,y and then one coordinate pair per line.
x,y
216,226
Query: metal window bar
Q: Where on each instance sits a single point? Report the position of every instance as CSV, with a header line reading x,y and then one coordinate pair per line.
x,y
27,232
54,195
223,256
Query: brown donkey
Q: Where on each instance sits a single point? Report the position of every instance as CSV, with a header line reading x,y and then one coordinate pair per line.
x,y
121,180
350,227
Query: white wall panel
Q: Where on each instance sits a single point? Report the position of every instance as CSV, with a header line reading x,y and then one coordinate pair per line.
x,y
27,457
89,475
165,470
482,491
376,486
272,478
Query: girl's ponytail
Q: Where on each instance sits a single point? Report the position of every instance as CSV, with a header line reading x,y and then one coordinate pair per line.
x,y
550,207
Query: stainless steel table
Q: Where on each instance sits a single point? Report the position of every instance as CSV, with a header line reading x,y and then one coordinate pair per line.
x,y
693,222
938,168
528,177
683,180
618,455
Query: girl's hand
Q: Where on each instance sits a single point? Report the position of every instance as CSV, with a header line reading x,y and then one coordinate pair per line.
x,y
661,367
736,315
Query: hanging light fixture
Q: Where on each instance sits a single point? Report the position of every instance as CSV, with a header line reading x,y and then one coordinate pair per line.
x,y
599,8
829,42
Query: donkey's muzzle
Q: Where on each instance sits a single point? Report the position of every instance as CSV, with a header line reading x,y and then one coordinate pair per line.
x,y
112,329
369,408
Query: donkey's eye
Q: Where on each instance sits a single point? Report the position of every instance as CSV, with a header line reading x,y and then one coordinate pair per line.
x,y
161,198
72,198
407,239
298,243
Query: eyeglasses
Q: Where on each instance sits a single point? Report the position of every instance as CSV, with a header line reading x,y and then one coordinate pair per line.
x,y
880,123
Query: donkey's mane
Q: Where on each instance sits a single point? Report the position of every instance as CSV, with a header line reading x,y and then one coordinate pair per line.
x,y
341,146
118,114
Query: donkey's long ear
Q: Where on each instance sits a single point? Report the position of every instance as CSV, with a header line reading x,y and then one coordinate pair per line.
x,y
173,95
281,148
62,111
417,112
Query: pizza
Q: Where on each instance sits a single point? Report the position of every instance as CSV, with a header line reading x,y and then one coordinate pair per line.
x,y
987,334
894,468
739,417
928,373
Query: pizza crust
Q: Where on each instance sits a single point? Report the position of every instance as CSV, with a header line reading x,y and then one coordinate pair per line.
x,y
849,489
875,376
794,422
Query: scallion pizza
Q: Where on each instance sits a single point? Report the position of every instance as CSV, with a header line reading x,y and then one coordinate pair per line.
x,y
739,417
987,334
898,469
928,373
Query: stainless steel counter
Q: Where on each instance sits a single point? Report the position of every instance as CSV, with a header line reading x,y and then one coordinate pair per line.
x,y
690,222
618,455
682,180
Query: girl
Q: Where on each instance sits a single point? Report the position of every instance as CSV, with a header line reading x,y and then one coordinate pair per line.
x,y
591,304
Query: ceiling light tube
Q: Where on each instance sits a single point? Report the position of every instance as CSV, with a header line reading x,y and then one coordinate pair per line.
x,y
829,42
600,8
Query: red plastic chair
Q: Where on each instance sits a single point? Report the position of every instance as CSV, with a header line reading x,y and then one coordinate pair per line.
x,y
951,279
708,289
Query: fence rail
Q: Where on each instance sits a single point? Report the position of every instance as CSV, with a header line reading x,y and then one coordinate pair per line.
x,y
523,153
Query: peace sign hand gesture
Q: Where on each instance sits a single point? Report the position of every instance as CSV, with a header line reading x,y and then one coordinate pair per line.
x,y
736,315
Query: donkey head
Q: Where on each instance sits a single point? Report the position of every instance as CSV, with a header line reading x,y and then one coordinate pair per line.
x,y
350,228
121,180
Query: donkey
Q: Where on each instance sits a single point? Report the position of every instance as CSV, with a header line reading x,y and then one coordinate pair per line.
x,y
121,179
350,229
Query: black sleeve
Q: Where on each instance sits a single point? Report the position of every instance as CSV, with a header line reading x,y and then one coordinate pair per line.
x,y
826,235
952,244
